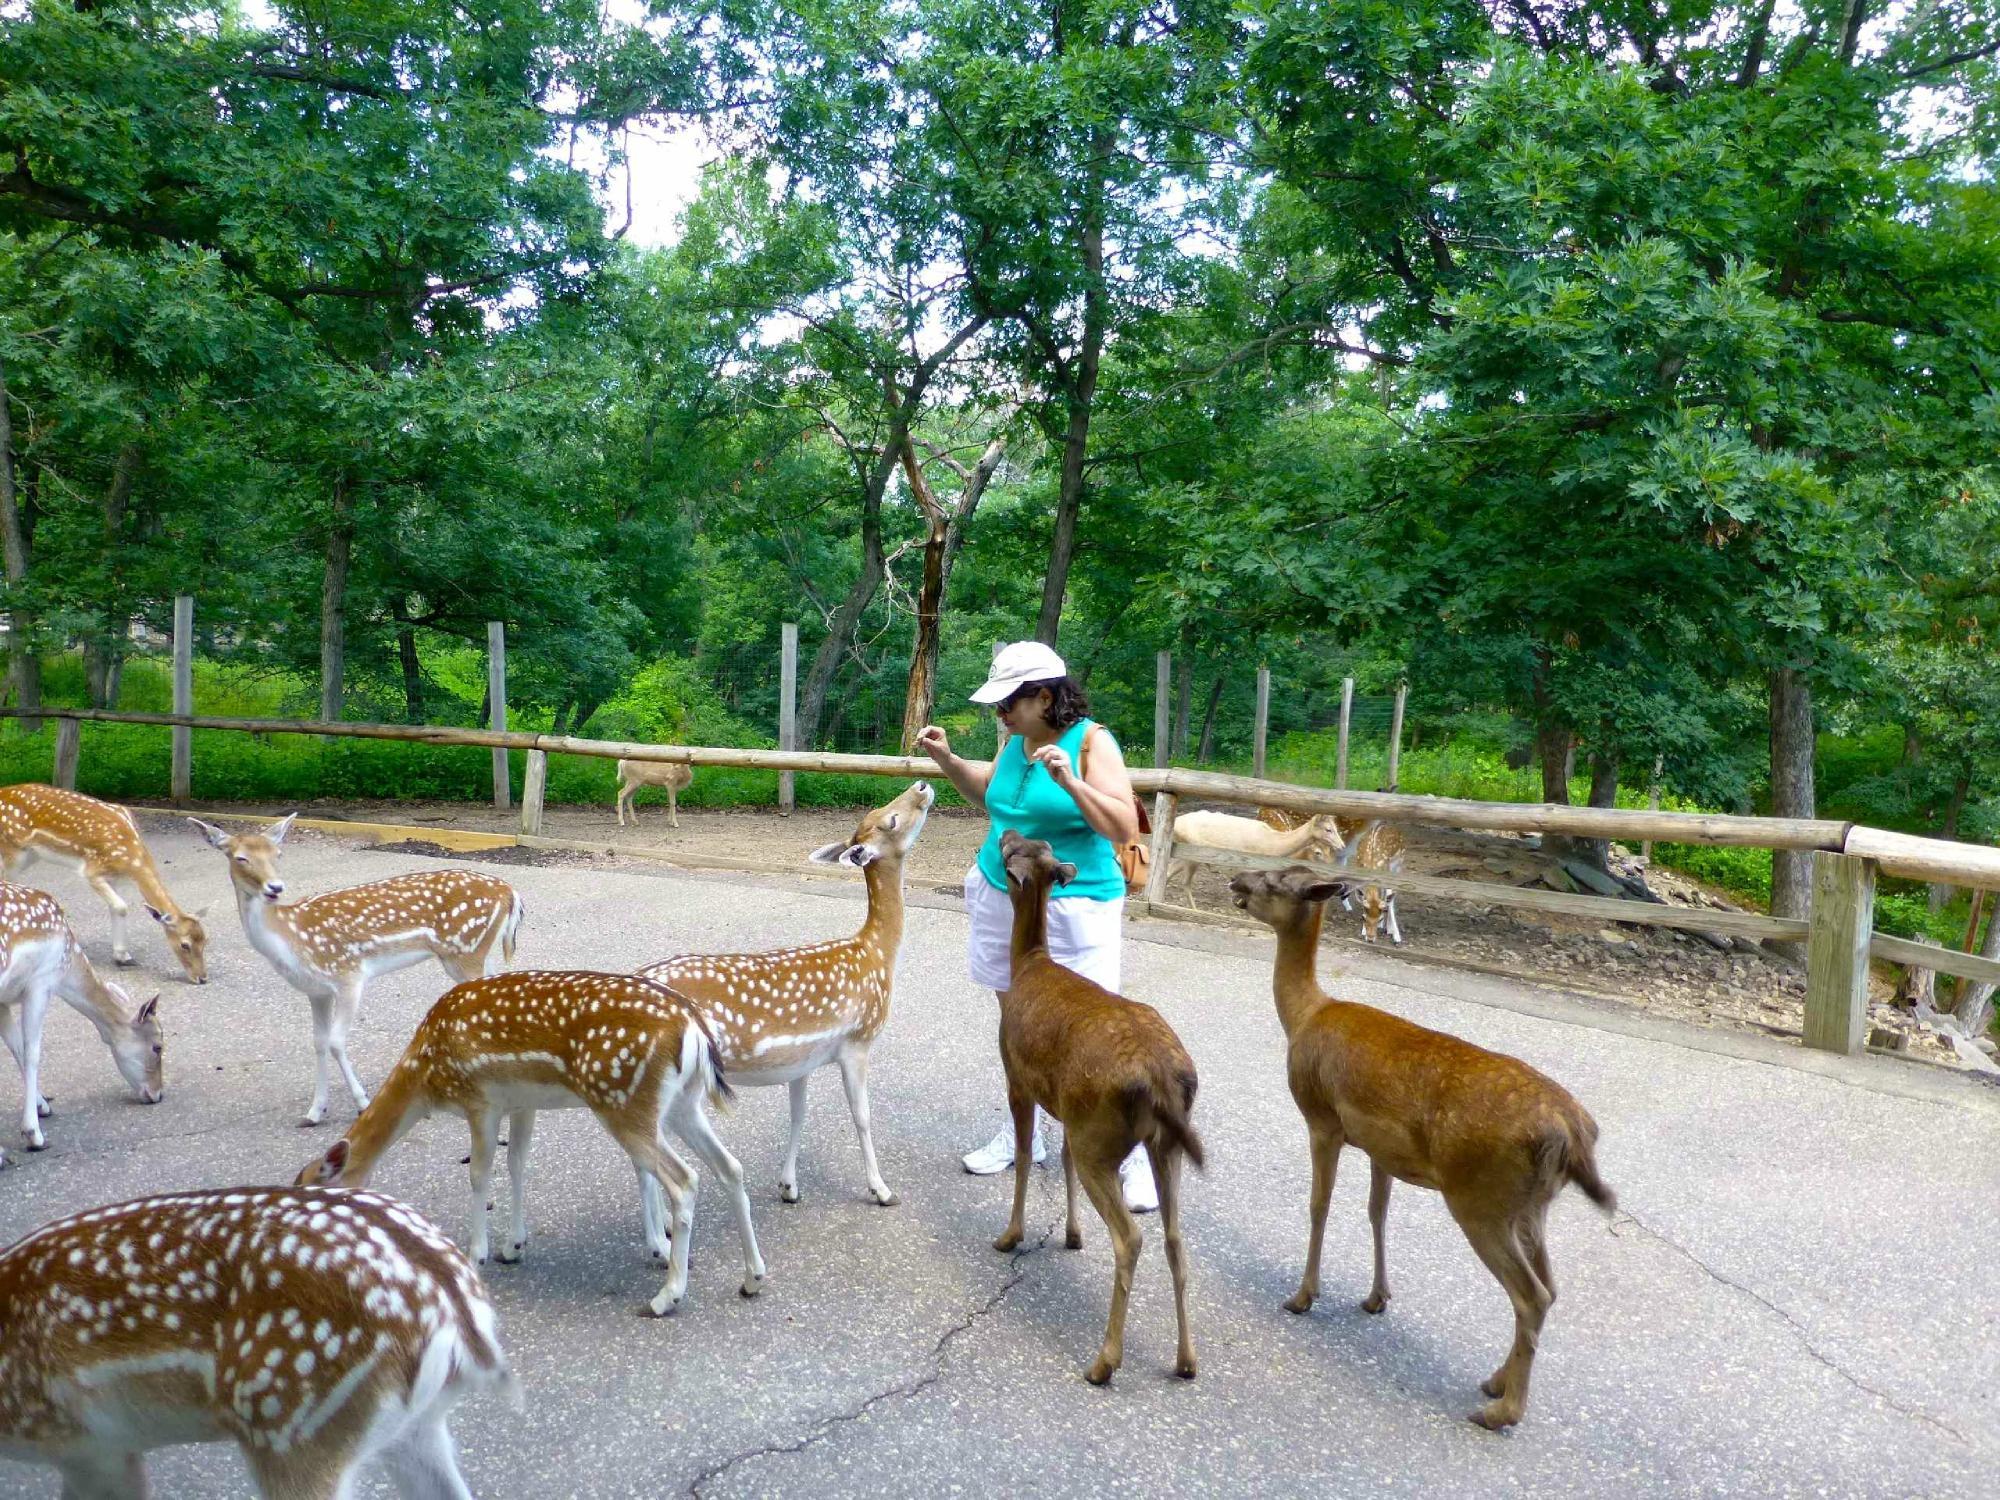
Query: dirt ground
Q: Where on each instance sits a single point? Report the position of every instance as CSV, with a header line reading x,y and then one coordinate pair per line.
x,y
1656,970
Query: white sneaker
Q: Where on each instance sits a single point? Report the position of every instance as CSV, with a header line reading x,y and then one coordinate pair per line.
x,y
1135,1176
997,1155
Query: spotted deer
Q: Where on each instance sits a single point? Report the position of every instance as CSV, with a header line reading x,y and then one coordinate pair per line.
x,y
40,957
633,774
101,843
1315,838
632,1052
1378,846
315,1329
779,1017
329,946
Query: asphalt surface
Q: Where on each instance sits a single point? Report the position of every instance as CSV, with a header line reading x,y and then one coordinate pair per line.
x,y
1797,1297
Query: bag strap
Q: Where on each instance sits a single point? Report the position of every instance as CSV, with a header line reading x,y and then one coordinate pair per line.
x,y
1083,774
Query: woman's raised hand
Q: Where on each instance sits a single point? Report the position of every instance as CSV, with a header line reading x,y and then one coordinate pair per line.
x,y
1057,761
934,742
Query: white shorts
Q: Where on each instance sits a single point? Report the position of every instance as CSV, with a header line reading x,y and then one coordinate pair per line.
x,y
1085,935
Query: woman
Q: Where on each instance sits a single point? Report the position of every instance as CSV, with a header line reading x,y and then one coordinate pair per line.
x,y
1059,777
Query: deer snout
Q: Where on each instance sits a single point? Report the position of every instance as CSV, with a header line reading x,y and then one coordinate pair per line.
x,y
273,889
151,1095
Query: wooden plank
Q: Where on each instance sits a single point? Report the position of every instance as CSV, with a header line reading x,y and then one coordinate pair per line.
x,y
1746,924
1396,737
1261,729
788,710
496,694
1163,713
1843,911
1940,860
462,840
532,789
180,785
1165,805
1346,723
68,735
1914,955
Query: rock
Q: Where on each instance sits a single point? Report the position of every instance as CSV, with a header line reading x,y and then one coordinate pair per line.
x,y
1986,1044
1889,1040
1614,937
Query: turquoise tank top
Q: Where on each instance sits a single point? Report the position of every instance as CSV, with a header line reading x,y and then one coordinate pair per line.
x,y
1024,797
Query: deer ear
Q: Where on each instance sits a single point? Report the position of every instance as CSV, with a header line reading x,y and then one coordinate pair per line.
x,y
200,911
277,831
1319,890
329,1167
1065,873
156,914
861,856
210,832
149,1011
828,854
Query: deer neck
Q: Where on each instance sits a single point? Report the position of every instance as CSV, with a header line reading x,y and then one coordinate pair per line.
x,y
145,876
267,924
884,922
397,1108
1294,978
96,1000
1031,919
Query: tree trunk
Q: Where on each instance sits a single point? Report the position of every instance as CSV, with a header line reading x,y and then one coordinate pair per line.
x,y
584,709
920,695
1603,793
333,605
1208,718
24,668
104,649
413,669
1961,787
1975,1000
1791,786
841,627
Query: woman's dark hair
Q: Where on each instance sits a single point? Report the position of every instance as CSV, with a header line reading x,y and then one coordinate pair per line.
x,y
1066,701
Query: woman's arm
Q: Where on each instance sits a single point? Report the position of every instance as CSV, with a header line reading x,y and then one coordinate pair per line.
x,y
1104,795
969,776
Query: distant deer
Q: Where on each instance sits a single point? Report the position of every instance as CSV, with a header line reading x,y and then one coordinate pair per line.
x,y
630,1051
633,774
316,1330
1113,1072
40,957
1314,838
328,947
101,843
1491,1134
1378,846
779,1017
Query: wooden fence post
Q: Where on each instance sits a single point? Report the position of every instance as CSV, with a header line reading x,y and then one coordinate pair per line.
x,y
1163,719
532,788
1653,803
788,710
1164,804
1396,736
68,736
1346,723
496,693
181,786
1261,731
1843,913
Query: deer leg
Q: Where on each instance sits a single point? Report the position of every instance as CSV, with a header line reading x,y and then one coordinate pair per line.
x,y
1501,1252
1326,1146
317,1473
520,1135
623,793
652,1155
1101,1183
346,1003
788,1176
1395,927
1023,1110
1167,1179
673,817
1073,1232
1378,1220
485,1127
692,1123
121,914
322,1014
109,1476
424,1464
854,1078
12,1027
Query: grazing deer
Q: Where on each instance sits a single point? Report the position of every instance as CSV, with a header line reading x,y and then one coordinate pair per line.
x,y
1317,837
101,843
329,946
779,1017
40,957
315,1329
1116,1076
1378,846
633,774
1491,1134
632,1052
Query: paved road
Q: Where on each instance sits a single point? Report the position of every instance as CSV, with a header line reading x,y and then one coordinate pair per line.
x,y
1798,1299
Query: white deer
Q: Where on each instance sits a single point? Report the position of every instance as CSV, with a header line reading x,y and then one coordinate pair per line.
x,y
329,946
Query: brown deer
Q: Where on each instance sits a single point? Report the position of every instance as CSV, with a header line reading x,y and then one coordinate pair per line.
x,y
1491,1134
779,1017
632,1052
101,843
633,774
315,1329
329,946
1113,1072
39,958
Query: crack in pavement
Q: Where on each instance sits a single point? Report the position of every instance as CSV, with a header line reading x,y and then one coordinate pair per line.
x,y
1797,1328
827,1425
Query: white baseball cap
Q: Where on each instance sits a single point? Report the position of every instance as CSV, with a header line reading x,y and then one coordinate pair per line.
x,y
1015,667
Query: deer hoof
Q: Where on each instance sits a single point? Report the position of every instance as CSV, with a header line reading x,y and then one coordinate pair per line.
x,y
1100,1371
751,1286
663,1307
1073,1238
886,1199
788,1192
1008,1241
1184,1368
123,960
1494,1416
1299,1302
1374,1302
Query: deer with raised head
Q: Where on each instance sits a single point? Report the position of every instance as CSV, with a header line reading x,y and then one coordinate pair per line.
x,y
633,774
1496,1138
1114,1073
101,843
779,1017
316,1330
1315,838
39,958
632,1052
329,946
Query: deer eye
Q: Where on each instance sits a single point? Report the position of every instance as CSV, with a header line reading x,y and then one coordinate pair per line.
x,y
243,859
157,1049
893,823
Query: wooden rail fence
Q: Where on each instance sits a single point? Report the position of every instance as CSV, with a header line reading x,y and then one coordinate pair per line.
x,y
1839,938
